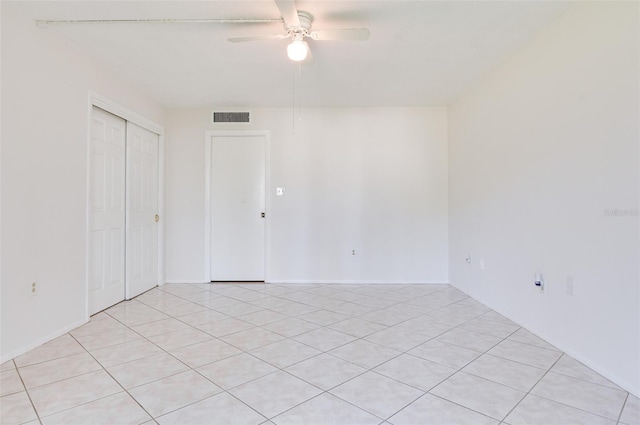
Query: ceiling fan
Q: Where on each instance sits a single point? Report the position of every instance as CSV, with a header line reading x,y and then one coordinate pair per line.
x,y
297,25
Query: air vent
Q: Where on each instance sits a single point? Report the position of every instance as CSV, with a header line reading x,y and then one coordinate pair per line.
x,y
231,117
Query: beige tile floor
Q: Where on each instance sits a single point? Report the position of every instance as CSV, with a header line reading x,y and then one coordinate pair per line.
x,y
305,354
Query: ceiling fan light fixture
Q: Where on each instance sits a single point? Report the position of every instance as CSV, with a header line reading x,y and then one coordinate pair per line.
x,y
297,50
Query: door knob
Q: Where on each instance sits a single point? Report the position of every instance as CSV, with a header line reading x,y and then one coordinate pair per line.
x,y
157,218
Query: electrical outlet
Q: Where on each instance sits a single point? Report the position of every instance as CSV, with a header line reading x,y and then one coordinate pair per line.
x,y
569,286
353,252
33,289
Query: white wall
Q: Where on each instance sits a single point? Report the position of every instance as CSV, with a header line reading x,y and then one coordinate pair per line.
x,y
369,179
45,95
538,153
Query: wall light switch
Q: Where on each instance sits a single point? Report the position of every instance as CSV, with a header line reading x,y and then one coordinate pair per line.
x,y
279,191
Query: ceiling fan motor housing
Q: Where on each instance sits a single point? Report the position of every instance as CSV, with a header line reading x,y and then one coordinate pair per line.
x,y
305,19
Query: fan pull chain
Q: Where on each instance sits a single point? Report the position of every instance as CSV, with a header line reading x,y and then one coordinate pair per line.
x,y
293,95
293,98
299,91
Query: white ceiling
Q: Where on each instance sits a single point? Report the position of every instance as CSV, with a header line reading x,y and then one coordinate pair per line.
x,y
420,53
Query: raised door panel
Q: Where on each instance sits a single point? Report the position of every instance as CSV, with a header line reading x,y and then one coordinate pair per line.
x,y
142,208
106,210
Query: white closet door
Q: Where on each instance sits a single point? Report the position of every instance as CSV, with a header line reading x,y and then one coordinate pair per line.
x,y
106,210
237,208
142,210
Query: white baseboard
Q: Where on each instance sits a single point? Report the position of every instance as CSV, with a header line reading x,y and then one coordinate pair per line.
x,y
326,282
40,341
355,282
174,281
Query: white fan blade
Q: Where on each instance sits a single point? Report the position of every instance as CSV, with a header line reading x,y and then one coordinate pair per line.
x,y
45,23
256,38
355,34
289,12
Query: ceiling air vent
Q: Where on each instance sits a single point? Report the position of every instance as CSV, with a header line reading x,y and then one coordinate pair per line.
x,y
231,117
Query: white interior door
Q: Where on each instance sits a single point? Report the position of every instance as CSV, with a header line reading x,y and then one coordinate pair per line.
x,y
237,208
106,210
142,210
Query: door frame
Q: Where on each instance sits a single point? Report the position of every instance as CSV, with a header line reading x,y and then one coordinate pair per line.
x,y
103,102
209,135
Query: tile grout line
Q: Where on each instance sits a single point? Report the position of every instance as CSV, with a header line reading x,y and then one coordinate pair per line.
x,y
622,409
463,406
26,391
